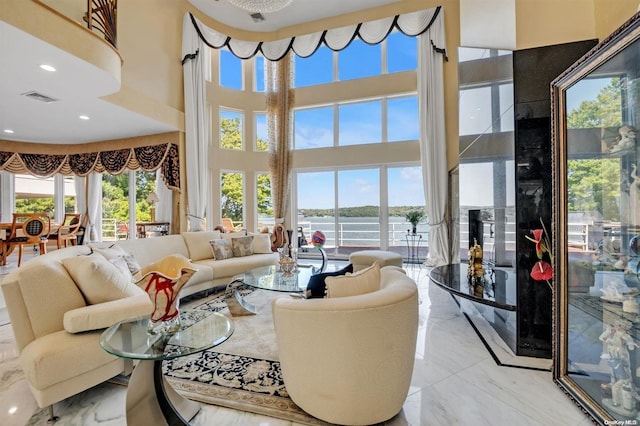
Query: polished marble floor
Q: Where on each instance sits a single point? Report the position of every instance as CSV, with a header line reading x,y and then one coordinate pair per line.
x,y
455,382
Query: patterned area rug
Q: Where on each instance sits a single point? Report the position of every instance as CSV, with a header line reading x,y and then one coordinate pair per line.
x,y
242,373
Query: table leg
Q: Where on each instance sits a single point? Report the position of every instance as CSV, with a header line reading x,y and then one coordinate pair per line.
x,y
157,404
235,302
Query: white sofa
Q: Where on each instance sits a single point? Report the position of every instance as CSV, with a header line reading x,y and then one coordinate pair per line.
x,y
195,246
349,360
57,328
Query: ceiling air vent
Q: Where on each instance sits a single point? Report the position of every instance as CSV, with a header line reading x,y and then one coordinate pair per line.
x,y
39,97
257,17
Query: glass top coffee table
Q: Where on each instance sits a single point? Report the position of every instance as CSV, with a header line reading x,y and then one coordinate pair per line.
x,y
266,278
150,398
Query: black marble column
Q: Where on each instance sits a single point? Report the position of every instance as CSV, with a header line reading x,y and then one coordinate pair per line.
x,y
533,71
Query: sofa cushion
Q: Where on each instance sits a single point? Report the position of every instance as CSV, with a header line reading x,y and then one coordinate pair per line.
x,y
365,281
122,266
96,317
48,292
237,265
261,243
149,250
98,280
317,285
198,243
221,249
116,252
60,356
242,246
230,235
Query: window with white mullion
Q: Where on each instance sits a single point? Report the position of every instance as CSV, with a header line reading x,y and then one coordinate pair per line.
x,y
383,57
384,120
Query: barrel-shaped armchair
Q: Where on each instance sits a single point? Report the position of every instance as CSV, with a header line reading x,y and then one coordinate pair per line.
x,y
349,360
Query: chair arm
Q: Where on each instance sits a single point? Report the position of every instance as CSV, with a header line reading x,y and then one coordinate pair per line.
x,y
103,315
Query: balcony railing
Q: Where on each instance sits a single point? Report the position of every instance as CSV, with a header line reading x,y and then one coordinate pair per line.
x,y
102,16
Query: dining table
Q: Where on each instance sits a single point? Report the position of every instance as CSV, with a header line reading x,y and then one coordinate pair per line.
x,y
5,228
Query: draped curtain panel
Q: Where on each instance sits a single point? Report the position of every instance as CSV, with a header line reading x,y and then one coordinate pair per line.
x,y
433,145
280,102
196,68
93,213
80,184
164,206
148,158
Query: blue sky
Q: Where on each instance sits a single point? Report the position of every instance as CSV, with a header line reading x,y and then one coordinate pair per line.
x,y
585,90
357,123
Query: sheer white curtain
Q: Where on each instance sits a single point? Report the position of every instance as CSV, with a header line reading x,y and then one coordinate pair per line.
x,y
8,196
433,146
80,184
196,68
165,195
94,207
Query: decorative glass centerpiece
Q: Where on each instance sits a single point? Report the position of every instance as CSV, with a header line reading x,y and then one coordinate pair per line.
x,y
287,265
163,281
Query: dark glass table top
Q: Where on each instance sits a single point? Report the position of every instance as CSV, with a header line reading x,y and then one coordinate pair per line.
x,y
200,331
499,286
269,278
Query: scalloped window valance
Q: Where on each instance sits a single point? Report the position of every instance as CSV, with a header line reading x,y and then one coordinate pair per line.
x,y
372,32
147,158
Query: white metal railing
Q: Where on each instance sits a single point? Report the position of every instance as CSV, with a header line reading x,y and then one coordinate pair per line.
x,y
109,229
366,234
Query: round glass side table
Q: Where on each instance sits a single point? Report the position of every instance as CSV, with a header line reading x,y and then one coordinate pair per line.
x,y
150,397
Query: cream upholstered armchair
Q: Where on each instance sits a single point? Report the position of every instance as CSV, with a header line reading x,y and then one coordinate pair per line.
x,y
349,360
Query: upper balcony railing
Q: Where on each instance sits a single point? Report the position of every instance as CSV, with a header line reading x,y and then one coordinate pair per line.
x,y
102,16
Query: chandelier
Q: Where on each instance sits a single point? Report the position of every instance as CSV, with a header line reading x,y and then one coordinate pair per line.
x,y
261,6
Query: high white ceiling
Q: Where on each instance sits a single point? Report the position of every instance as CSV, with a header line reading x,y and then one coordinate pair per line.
x,y
298,12
78,85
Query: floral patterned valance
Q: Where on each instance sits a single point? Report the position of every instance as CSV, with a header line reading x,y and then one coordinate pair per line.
x,y
147,158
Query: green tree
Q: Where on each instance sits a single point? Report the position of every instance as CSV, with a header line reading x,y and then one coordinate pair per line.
x,y
115,195
264,195
604,111
27,205
594,184
230,137
231,202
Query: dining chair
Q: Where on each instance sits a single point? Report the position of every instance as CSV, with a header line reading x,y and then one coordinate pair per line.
x,y
229,226
28,228
67,232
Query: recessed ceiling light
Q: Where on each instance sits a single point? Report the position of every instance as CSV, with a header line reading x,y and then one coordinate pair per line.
x,y
47,67
83,117
8,131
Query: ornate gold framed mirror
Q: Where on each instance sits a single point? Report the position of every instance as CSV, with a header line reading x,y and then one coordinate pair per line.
x,y
596,111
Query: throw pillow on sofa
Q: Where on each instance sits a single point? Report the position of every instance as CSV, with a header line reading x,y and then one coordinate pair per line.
x,y
221,249
242,246
261,243
317,285
115,252
98,280
362,282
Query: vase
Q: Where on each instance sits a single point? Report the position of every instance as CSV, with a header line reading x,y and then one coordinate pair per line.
x,y
163,281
